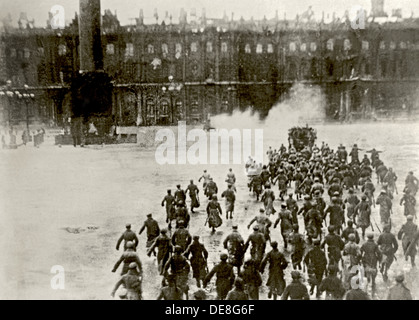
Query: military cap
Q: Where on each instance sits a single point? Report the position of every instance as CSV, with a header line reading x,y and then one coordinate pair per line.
x,y
364,197
350,223
256,227
235,226
290,194
336,193
400,277
238,283
316,179
181,223
164,231
316,242
274,244
331,228
370,236
128,225
283,205
214,197
171,277
178,249
306,197
169,191
295,227
178,185
383,191
149,215
223,256
295,274
351,237
132,265
130,244
409,217
387,227
261,210
196,237
334,198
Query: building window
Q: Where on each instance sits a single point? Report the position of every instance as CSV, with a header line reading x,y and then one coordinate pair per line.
x,y
403,45
62,50
129,50
347,45
178,47
330,44
150,49
270,48
164,48
259,48
313,46
382,45
41,51
247,48
293,46
365,45
110,48
26,53
209,46
392,45
224,47
194,47
303,47
13,53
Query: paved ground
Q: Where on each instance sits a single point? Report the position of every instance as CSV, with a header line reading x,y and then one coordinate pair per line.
x,y
67,206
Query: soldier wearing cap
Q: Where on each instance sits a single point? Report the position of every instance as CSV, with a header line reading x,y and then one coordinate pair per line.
x,y
285,217
335,246
354,154
268,198
206,176
169,199
180,194
384,201
225,277
295,290
214,213
181,237
182,214
352,200
388,247
351,257
337,215
411,183
399,291
128,235
363,210
335,187
263,223
237,293
332,285
293,207
193,195
357,294
408,235
316,263
234,243
199,256
179,266
230,197
212,188
409,202
258,241
317,187
131,282
127,257
153,230
172,291
371,257
164,248
297,243
298,178
277,265
305,208
282,183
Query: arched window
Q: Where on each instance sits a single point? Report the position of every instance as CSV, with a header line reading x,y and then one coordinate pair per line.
x,y
150,49
164,48
313,46
303,47
382,45
209,46
403,45
392,45
259,48
26,53
194,47
293,46
178,47
129,50
330,44
224,47
247,48
270,48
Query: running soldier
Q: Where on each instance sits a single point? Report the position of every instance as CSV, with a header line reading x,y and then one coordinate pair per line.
x,y
337,215
363,209
255,185
231,179
172,291
282,183
251,278
390,178
388,247
332,285
371,257
169,199
268,198
297,243
257,239
193,195
399,291
335,245
212,188
350,229
295,290
234,244
180,195
407,235
411,183
351,258
316,263
131,282
164,249
128,235
199,257
181,237
180,268
293,207
230,200
285,217
214,213
277,265
225,277
153,230
127,257
352,200
263,223
238,292
384,201
206,176
409,202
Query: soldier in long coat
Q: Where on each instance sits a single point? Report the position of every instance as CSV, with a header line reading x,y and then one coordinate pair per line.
x,y
225,277
214,213
388,245
199,256
169,199
164,248
153,230
407,234
128,235
285,217
257,239
363,210
384,201
193,195
131,282
234,243
127,257
371,257
179,266
230,200
268,198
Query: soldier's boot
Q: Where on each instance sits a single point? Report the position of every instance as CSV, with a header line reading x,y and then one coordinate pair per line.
x,y
231,215
198,283
412,261
270,294
226,215
275,296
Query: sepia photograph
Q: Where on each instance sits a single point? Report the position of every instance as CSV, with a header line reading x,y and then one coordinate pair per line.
x,y
209,150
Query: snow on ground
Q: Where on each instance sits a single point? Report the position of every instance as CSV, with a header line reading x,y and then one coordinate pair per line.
x,y
49,193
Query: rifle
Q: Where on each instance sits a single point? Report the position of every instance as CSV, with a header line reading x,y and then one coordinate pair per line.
x,y
206,221
376,225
